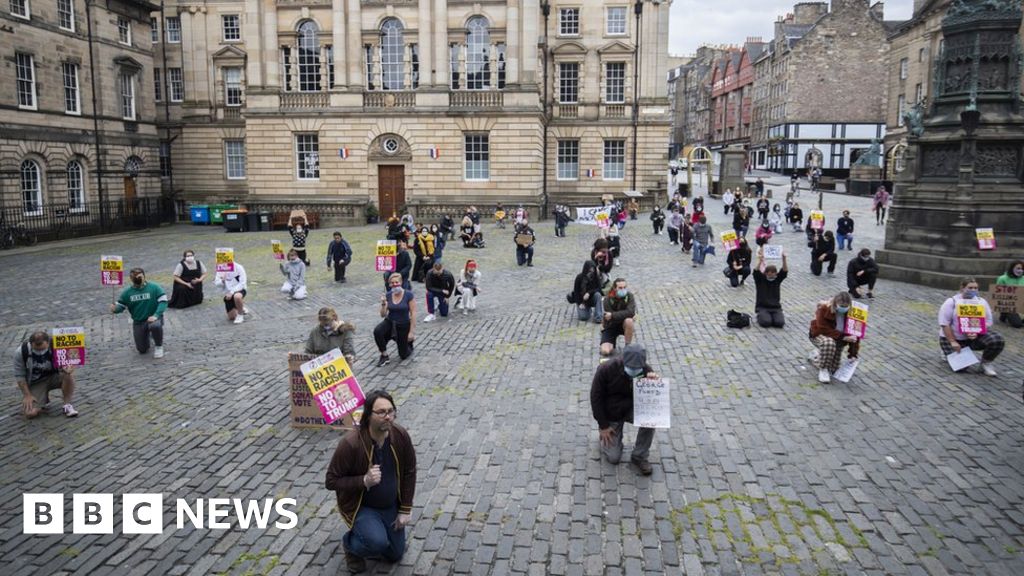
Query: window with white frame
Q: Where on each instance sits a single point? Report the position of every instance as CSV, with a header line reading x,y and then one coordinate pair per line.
x,y
76,186
904,65
307,156
128,96
453,59
154,30
568,161
72,98
233,86
231,27
614,82
330,65
392,55
124,31
176,84
615,21
414,61
478,157
286,65
66,14
31,188
309,57
157,85
20,8
918,93
614,166
478,58
500,49
568,82
25,80
234,159
173,26
901,105
569,22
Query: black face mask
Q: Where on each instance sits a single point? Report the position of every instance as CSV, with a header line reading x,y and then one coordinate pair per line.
x,y
37,356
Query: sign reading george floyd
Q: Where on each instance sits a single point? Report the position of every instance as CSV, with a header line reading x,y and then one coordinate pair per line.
x,y
651,406
334,387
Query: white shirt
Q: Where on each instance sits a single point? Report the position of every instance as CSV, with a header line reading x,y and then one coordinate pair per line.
x,y
232,281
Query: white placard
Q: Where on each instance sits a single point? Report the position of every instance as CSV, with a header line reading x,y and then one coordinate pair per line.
x,y
651,406
589,215
962,359
772,251
846,370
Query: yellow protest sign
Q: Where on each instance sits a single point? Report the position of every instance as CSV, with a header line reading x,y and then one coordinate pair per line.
x,y
69,347
730,240
225,259
111,270
986,238
275,246
334,387
817,220
858,312
970,310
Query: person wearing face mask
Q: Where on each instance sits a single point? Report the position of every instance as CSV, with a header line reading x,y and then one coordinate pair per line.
x,y
439,242
331,333
675,225
768,295
763,234
738,264
424,250
188,282
468,287
952,339
796,216
339,255
146,302
862,271
619,311
234,284
844,231
586,293
657,219
440,285
36,376
775,219
614,244
702,241
403,266
828,336
294,271
741,220
299,231
824,250
1014,277
727,200
398,310
524,240
611,403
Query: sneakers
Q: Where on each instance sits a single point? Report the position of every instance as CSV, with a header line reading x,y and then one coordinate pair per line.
x,y
158,352
814,355
824,376
643,466
245,310
384,360
239,319
429,318
529,264
987,368
354,563
70,411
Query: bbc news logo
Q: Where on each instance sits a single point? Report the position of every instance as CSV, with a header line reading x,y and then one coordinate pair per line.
x,y
144,513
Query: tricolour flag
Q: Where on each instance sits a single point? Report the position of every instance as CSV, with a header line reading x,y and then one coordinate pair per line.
x,y
590,172
435,152
343,153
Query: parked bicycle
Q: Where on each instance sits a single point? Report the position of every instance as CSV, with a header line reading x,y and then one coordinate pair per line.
x,y
11,236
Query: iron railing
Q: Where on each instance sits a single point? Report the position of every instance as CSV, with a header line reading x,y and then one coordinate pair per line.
x,y
61,221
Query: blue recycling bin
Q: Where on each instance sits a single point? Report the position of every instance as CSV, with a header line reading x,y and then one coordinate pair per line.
x,y
200,214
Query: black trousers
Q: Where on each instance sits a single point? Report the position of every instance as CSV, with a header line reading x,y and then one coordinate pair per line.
x,y
817,264
852,281
339,269
388,330
736,275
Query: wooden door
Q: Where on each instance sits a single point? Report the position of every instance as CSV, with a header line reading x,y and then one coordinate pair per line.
x,y
390,189
129,189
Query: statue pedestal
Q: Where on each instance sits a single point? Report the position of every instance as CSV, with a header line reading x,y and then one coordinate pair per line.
x,y
733,170
864,180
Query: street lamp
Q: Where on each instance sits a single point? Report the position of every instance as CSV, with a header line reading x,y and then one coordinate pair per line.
x,y
545,9
638,10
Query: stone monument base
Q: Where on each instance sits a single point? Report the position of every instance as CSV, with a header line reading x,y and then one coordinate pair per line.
x,y
936,271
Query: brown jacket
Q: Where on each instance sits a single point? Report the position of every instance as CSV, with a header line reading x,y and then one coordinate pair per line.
x,y
824,324
351,461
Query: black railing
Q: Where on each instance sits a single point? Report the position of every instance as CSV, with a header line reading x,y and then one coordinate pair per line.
x,y
61,221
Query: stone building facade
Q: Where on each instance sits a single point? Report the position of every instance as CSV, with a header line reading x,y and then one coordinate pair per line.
x,y
418,103
732,88
820,92
691,87
77,118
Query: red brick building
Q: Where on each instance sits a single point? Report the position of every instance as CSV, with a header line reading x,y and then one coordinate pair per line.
x,y
732,90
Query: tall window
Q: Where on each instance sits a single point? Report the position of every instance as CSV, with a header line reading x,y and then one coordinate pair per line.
x,y
903,68
66,14
154,30
569,22
614,167
231,27
20,8
233,86
330,66
392,48
568,82
453,51
26,80
568,159
176,83
414,56
918,93
234,159
173,26
478,47
501,66
127,96
157,85
901,105
615,21
124,31
31,188
309,57
76,186
478,157
286,64
368,56
615,82
72,100
307,156
165,159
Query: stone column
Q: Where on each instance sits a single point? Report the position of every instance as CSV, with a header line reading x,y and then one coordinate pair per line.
x,y
324,76
426,25
442,66
271,47
338,38
532,22
512,42
354,51
258,49
188,63
407,67
294,66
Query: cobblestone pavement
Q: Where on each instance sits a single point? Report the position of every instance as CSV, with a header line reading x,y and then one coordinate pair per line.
x,y
908,469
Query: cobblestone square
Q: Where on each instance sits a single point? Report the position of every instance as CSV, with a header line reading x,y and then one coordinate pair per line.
x,y
908,469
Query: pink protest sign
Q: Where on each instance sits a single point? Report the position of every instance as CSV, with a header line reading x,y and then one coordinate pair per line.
x,y
334,387
387,255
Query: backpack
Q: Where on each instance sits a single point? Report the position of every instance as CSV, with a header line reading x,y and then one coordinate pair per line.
x,y
734,319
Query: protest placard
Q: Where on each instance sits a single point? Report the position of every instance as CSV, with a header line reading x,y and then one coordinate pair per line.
x,y
225,259
335,389
970,318
817,220
387,255
772,252
499,214
111,270
730,240
846,370
589,215
1003,299
275,247
651,406
305,412
986,238
856,323
68,347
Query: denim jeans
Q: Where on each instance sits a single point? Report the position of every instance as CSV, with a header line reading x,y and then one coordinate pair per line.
x,y
373,535
596,312
847,238
442,305
700,251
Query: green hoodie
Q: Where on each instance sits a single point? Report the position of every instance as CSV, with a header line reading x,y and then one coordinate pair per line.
x,y
1007,280
142,303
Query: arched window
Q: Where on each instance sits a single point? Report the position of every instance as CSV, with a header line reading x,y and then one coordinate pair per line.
x,y
31,188
76,186
392,52
309,57
478,58
132,166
